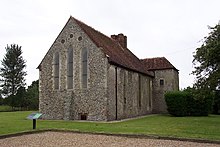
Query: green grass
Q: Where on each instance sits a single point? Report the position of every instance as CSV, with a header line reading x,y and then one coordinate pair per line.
x,y
4,108
158,125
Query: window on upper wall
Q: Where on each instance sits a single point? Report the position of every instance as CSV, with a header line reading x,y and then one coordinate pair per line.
x,y
70,68
161,82
84,67
56,68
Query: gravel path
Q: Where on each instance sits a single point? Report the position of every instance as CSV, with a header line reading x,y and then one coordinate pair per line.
x,y
57,139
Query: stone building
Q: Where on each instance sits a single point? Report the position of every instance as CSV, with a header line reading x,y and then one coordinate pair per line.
x,y
86,75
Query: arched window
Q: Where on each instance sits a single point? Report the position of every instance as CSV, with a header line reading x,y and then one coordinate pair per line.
x,y
56,69
84,67
70,68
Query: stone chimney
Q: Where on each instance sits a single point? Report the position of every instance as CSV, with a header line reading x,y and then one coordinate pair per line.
x,y
121,39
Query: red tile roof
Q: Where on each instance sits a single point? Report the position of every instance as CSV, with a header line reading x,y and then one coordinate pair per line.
x,y
158,63
116,53
122,56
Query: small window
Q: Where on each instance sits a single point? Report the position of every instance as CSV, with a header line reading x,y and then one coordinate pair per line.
x,y
83,116
161,82
79,38
62,41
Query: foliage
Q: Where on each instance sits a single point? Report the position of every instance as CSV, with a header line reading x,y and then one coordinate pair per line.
x,y
12,71
207,67
5,108
25,99
190,102
13,82
20,98
200,101
6,101
216,106
176,103
1,101
207,61
156,125
18,101
32,95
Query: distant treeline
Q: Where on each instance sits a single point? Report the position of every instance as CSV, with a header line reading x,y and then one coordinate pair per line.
x,y
24,99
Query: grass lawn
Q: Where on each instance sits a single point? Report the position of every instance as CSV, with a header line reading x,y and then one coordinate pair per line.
x,y
158,125
4,108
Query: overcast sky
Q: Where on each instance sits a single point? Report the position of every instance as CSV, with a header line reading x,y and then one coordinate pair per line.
x,y
155,28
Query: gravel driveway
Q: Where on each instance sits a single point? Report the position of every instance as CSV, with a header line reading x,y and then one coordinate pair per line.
x,y
53,139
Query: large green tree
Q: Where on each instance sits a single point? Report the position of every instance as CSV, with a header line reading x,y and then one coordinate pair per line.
x,y
12,71
207,67
19,100
32,95
1,99
207,61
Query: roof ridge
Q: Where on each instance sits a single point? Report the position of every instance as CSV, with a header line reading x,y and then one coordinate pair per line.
x,y
157,63
77,20
153,58
117,54
108,37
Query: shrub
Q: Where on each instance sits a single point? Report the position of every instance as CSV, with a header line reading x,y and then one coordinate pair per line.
x,y
216,106
5,108
202,101
189,102
199,107
176,103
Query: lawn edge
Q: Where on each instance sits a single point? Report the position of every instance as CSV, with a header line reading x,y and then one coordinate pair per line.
x,y
141,136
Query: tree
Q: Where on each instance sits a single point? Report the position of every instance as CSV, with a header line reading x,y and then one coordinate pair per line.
x,y
207,61
207,67
20,99
1,99
12,70
216,106
33,95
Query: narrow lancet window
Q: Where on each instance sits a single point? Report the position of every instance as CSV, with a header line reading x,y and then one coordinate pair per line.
x,y
70,68
84,67
56,69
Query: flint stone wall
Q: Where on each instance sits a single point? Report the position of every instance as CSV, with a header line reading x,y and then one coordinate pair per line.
x,y
128,94
99,100
171,83
70,103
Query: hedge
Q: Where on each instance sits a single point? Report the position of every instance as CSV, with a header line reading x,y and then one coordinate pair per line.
x,y
176,103
185,103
